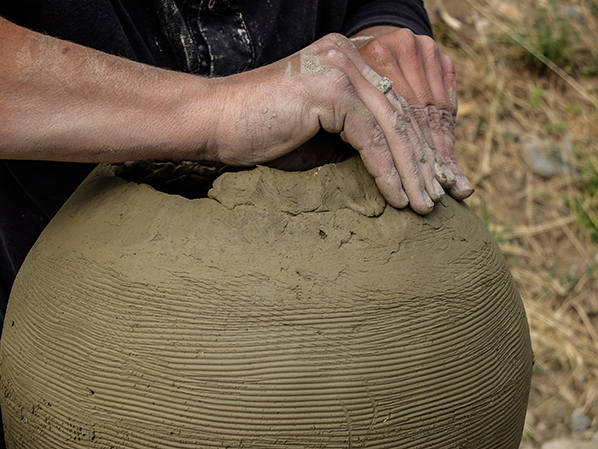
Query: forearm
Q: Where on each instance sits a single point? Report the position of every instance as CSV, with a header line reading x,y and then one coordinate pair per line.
x,y
62,101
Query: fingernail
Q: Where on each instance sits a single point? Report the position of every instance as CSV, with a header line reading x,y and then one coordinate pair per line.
x,y
403,197
463,183
450,176
438,190
440,173
428,200
463,186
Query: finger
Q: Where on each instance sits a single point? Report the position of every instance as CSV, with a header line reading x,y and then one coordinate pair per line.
x,y
385,57
438,81
462,188
413,158
450,81
440,72
406,150
391,151
427,78
423,130
378,161
360,129
411,107
427,161
342,111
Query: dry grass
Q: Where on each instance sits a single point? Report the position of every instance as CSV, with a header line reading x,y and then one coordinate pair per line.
x,y
515,87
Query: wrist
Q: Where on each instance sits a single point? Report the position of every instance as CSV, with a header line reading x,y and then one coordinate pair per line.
x,y
179,120
364,36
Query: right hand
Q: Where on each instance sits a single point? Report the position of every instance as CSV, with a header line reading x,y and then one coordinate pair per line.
x,y
269,112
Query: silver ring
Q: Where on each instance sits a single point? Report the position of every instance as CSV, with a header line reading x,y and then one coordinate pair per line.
x,y
385,85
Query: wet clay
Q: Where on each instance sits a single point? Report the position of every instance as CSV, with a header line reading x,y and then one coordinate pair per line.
x,y
285,310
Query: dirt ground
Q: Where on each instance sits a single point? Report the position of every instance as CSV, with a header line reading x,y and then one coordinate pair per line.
x,y
527,136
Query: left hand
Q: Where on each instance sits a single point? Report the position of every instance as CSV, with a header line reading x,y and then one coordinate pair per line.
x,y
425,78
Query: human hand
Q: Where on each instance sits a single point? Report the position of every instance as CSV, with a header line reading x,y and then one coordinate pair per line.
x,y
268,112
118,110
425,78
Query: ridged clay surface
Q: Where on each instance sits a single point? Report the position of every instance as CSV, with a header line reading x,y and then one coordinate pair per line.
x,y
287,310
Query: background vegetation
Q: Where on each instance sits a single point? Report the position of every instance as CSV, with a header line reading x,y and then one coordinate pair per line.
x,y
527,136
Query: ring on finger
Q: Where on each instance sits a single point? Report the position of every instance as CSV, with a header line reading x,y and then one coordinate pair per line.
x,y
384,85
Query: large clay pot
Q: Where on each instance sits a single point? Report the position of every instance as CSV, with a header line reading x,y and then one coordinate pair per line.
x,y
285,310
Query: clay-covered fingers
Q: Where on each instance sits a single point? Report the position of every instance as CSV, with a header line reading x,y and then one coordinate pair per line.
x,y
411,106
413,145
402,158
441,111
426,158
387,54
375,126
425,78
414,161
344,109
437,91
462,188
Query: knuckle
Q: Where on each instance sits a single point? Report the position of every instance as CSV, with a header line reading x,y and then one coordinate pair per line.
x,y
336,58
447,120
399,123
375,51
337,80
429,49
428,43
419,114
448,66
333,40
433,118
334,95
408,42
377,137
406,33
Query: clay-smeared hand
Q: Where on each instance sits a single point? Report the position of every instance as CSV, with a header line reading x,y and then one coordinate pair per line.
x,y
268,112
118,110
425,78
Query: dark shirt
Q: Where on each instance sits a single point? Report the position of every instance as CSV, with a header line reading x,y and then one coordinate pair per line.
x,y
205,37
